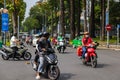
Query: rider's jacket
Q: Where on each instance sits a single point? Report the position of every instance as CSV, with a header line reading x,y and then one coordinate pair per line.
x,y
87,40
60,38
43,43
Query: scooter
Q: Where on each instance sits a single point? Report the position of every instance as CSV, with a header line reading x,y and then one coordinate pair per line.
x,y
90,56
22,52
51,70
61,46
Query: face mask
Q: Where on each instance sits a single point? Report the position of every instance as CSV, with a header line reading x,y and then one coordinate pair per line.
x,y
86,35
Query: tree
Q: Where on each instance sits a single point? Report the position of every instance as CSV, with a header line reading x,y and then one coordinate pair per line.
x,y
102,36
85,17
92,19
30,23
72,18
78,13
62,22
16,8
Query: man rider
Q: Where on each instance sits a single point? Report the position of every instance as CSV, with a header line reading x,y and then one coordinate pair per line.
x,y
60,38
43,45
13,44
86,41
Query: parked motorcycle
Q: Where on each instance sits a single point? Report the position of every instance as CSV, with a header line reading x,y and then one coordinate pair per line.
x,y
51,70
21,53
61,46
90,56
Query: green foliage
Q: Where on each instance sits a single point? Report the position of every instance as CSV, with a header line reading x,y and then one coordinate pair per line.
x,y
30,23
114,12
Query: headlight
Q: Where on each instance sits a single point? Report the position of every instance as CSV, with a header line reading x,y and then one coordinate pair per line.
x,y
56,61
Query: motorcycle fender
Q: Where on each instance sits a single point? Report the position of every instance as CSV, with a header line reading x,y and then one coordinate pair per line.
x,y
3,53
92,54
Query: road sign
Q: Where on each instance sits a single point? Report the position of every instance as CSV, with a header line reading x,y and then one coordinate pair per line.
x,y
108,27
5,22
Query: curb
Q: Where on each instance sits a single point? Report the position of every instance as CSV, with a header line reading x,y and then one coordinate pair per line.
x,y
105,48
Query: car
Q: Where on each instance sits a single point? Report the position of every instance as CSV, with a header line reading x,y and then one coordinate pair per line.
x,y
35,38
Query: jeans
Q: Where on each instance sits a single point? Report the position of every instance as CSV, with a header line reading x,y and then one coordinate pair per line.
x,y
40,67
15,49
84,49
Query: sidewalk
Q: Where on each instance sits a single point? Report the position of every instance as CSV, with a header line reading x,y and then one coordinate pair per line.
x,y
111,47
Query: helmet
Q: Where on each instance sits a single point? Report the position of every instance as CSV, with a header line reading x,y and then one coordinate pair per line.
x,y
46,34
60,34
40,35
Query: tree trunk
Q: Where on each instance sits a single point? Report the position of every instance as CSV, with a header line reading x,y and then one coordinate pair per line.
x,y
103,20
92,20
14,18
72,19
78,18
62,22
85,18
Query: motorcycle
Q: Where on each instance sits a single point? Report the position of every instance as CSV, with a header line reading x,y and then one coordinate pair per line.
x,y
90,55
51,70
54,42
61,46
22,52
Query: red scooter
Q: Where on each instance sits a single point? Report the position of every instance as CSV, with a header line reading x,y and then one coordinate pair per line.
x,y
90,56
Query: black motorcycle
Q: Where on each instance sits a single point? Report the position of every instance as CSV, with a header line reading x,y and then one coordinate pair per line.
x,y
51,70
22,52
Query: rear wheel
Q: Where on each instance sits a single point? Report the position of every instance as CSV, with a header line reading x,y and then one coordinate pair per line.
x,y
93,61
27,56
53,73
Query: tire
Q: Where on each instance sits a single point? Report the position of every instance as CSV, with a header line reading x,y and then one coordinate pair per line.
x,y
59,49
5,57
53,73
27,56
84,62
93,61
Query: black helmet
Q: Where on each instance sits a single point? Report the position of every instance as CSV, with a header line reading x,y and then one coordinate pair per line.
x,y
46,34
40,35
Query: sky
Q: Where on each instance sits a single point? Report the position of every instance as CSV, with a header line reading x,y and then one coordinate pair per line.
x,y
29,4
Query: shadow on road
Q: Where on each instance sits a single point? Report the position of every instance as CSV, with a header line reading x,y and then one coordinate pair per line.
x,y
66,76
102,65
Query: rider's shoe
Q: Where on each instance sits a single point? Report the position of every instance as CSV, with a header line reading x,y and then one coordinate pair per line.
x,y
34,66
37,77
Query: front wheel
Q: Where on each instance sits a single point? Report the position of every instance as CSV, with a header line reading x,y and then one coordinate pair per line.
x,y
93,61
53,73
5,57
27,56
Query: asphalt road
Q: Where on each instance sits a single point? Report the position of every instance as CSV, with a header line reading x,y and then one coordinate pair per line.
x,y
70,66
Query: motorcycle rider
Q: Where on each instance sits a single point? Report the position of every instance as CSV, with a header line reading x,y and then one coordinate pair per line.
x,y
86,41
36,51
13,44
60,38
43,45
